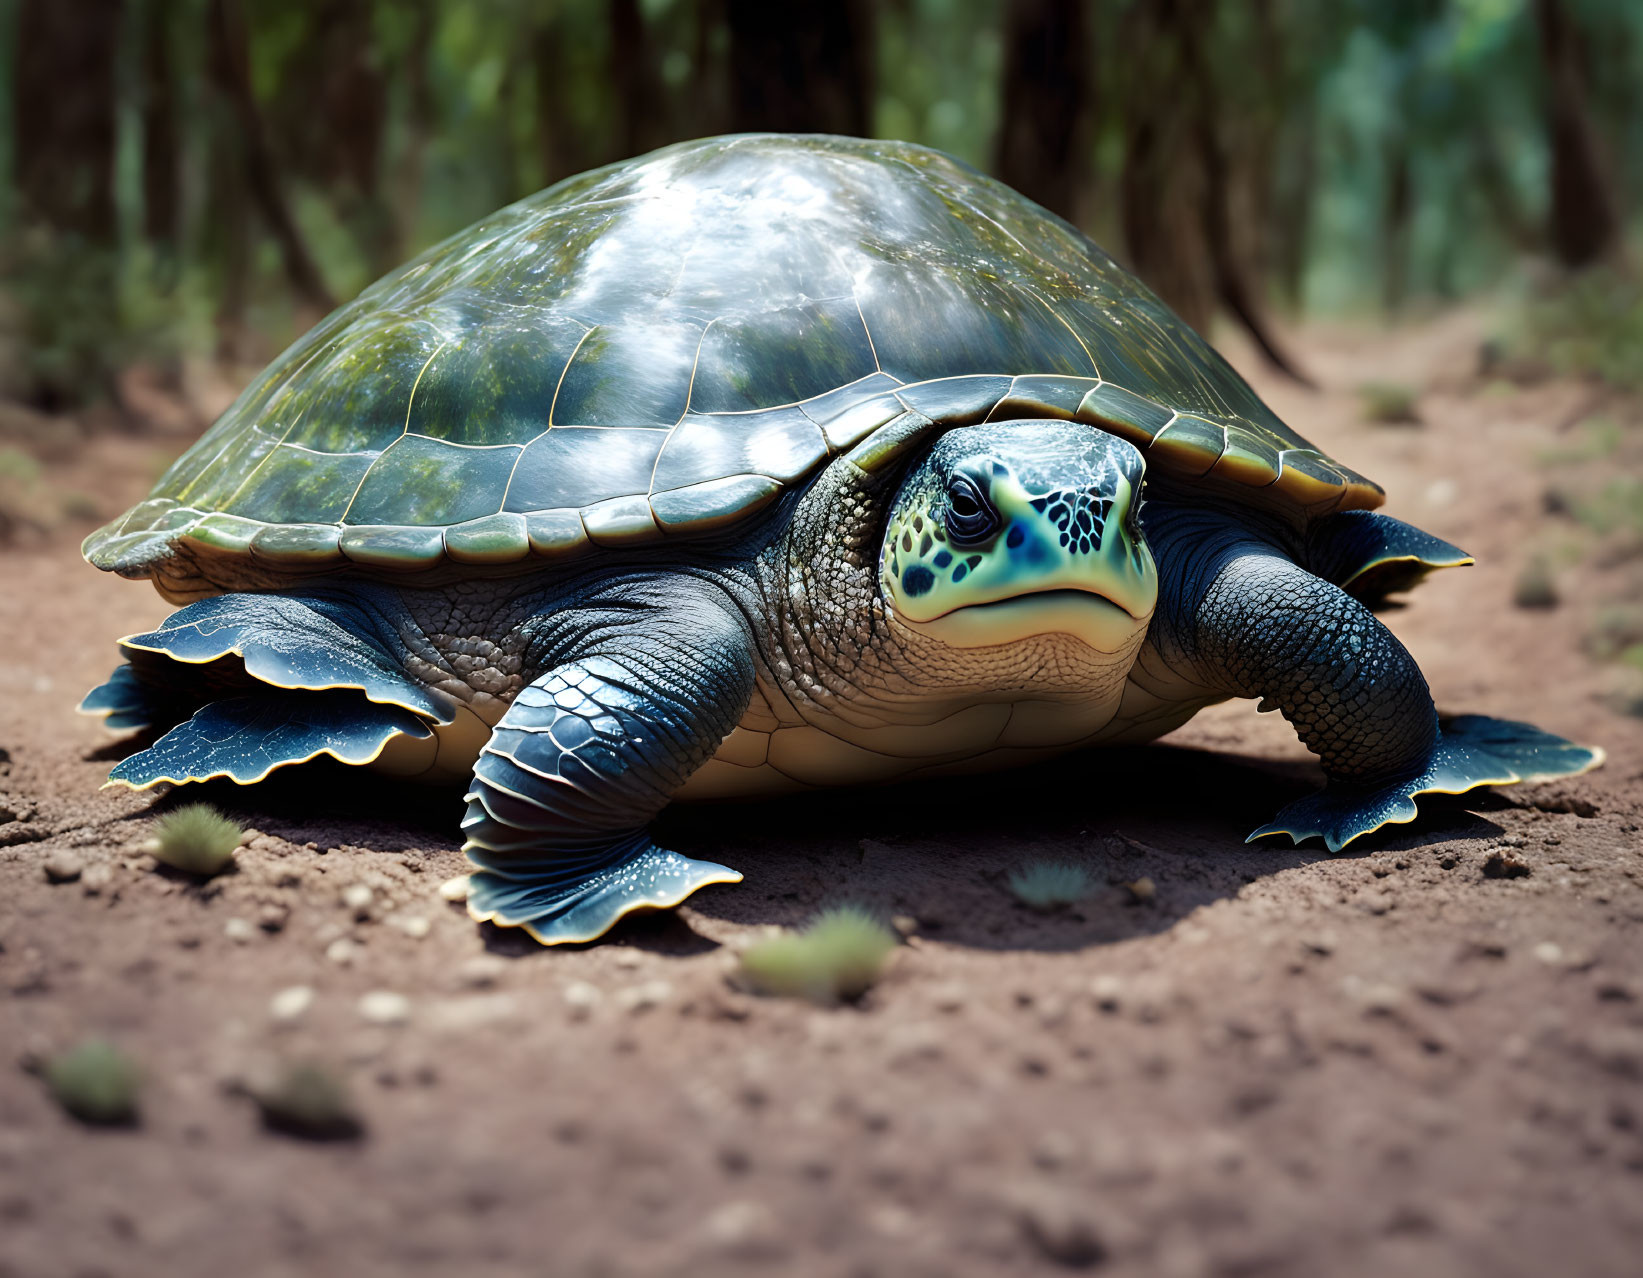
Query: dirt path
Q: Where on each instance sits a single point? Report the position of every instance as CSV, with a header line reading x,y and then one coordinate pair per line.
x,y
1285,1063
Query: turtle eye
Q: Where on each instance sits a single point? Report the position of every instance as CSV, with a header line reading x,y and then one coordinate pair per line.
x,y
971,519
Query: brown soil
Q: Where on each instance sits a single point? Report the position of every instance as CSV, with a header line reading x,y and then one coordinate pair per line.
x,y
1388,1061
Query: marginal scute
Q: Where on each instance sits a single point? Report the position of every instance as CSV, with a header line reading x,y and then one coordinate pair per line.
x,y
714,504
226,533
622,521
556,534
855,424
1057,397
1135,417
1189,445
494,539
1310,479
962,401
297,545
1247,460
393,547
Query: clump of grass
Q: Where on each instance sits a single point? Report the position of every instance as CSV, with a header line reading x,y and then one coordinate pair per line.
x,y
308,1100
196,839
1536,585
95,1082
1051,885
1390,403
839,956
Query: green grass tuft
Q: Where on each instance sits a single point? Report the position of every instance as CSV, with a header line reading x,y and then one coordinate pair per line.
x,y
839,956
1536,585
95,1082
1051,885
196,839
1390,403
311,1101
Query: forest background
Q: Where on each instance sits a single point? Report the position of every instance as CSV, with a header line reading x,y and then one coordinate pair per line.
x,y
183,180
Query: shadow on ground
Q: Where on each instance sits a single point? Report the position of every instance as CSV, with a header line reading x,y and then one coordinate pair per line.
x,y
939,851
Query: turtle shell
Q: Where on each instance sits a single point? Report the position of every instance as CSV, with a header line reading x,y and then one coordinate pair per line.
x,y
659,348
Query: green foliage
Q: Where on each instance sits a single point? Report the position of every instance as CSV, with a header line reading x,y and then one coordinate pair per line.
x,y
1051,885
308,1100
1536,585
95,1082
839,956
1390,403
1617,634
1591,327
196,839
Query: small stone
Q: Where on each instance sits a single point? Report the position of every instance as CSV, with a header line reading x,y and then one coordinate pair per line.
x,y
239,931
481,972
950,997
1503,863
63,867
643,997
272,916
96,878
627,959
385,1007
291,1002
905,924
744,1227
455,889
415,926
1549,953
1320,944
96,1083
1142,891
357,898
1061,1229
1107,990
343,951
582,998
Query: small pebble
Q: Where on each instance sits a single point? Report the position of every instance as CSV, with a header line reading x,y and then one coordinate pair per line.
x,y
626,959
415,926
643,997
385,1007
1142,890
581,998
291,1002
310,1101
239,931
905,924
481,971
455,889
273,916
1549,953
344,950
96,878
357,897
1062,1231
950,997
63,867
1107,991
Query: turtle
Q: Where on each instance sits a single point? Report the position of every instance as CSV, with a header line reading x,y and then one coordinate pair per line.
x,y
760,464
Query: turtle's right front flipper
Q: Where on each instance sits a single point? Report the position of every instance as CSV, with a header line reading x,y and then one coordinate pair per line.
x,y
587,754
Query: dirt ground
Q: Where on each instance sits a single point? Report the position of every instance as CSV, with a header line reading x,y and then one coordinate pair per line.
x,y
1288,1063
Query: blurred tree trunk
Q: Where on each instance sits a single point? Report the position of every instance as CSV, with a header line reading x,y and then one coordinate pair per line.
x,y
63,106
231,71
419,128
635,81
162,191
810,75
1042,143
561,151
1585,217
1396,209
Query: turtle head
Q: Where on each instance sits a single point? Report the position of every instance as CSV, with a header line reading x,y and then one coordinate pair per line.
x,y
1011,530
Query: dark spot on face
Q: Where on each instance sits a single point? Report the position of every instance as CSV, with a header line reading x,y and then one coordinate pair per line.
x,y
960,573
1015,538
943,558
907,541
924,546
917,580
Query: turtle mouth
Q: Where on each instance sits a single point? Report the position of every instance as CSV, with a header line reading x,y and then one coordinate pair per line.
x,y
1098,621
1049,596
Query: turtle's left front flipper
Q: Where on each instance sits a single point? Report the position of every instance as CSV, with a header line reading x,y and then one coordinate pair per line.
x,y
1254,624
593,749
